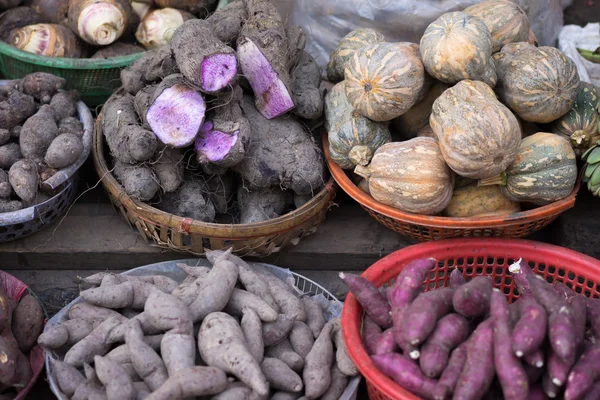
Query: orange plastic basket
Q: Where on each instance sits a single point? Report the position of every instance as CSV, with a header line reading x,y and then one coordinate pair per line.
x,y
473,256
426,227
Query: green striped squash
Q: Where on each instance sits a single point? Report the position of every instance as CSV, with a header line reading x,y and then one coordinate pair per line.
x,y
458,46
506,21
384,80
353,41
353,138
581,125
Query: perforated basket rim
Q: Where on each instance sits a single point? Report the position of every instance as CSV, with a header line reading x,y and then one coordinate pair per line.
x,y
431,221
68,63
388,268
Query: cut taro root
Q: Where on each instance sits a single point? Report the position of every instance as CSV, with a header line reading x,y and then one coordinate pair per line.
x,y
176,112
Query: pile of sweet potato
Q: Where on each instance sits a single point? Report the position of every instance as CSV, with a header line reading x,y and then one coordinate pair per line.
x,y
20,325
40,134
465,341
213,125
148,337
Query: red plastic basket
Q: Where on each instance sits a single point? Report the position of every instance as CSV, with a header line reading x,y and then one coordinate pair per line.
x,y
474,256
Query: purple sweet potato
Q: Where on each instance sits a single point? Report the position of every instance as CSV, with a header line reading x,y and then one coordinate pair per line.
x,y
37,134
202,58
534,374
520,271
16,109
290,160
262,48
551,390
578,303
373,302
406,373
223,138
386,343
23,177
535,359
530,331
593,394
456,278
593,315
585,373
478,373
449,333
41,85
512,375
406,288
138,180
227,22
561,327
473,298
64,104
176,111
449,379
9,154
421,317
371,332
537,393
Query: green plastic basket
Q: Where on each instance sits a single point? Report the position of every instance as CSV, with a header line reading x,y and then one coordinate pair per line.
x,y
95,79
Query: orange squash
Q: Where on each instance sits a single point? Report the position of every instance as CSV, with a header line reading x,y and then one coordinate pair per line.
x,y
480,201
479,137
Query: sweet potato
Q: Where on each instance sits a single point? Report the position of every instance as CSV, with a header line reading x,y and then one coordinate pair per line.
x,y
191,382
342,358
64,104
449,333
521,272
585,373
449,379
148,365
456,278
514,380
138,180
551,390
127,140
314,316
241,298
67,377
28,322
270,155
285,352
118,384
406,373
7,307
530,330
227,21
558,369
222,345
386,343
131,294
262,48
234,391
261,205
593,315
166,312
594,393
301,338
96,343
64,150
202,58
41,85
177,351
23,177
307,95
121,354
88,390
289,304
478,372
537,393
280,376
216,290
373,302
317,365
142,391
189,201
535,359
287,395
339,381
473,298
17,108
89,312
274,332
421,316
9,154
252,329
371,333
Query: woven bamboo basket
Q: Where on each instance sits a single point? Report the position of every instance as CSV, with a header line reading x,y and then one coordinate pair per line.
x,y
187,235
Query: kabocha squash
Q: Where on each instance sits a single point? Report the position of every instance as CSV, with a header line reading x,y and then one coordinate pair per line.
x,y
479,137
506,21
352,138
458,46
580,125
410,176
480,201
544,171
384,80
408,124
539,84
353,41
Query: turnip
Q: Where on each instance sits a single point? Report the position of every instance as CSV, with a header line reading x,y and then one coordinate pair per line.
x,y
202,58
100,22
157,26
46,40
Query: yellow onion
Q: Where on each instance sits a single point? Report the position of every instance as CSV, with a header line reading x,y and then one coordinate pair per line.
x,y
158,26
46,40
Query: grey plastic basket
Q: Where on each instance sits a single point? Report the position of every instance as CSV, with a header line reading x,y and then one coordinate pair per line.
x,y
169,268
17,224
